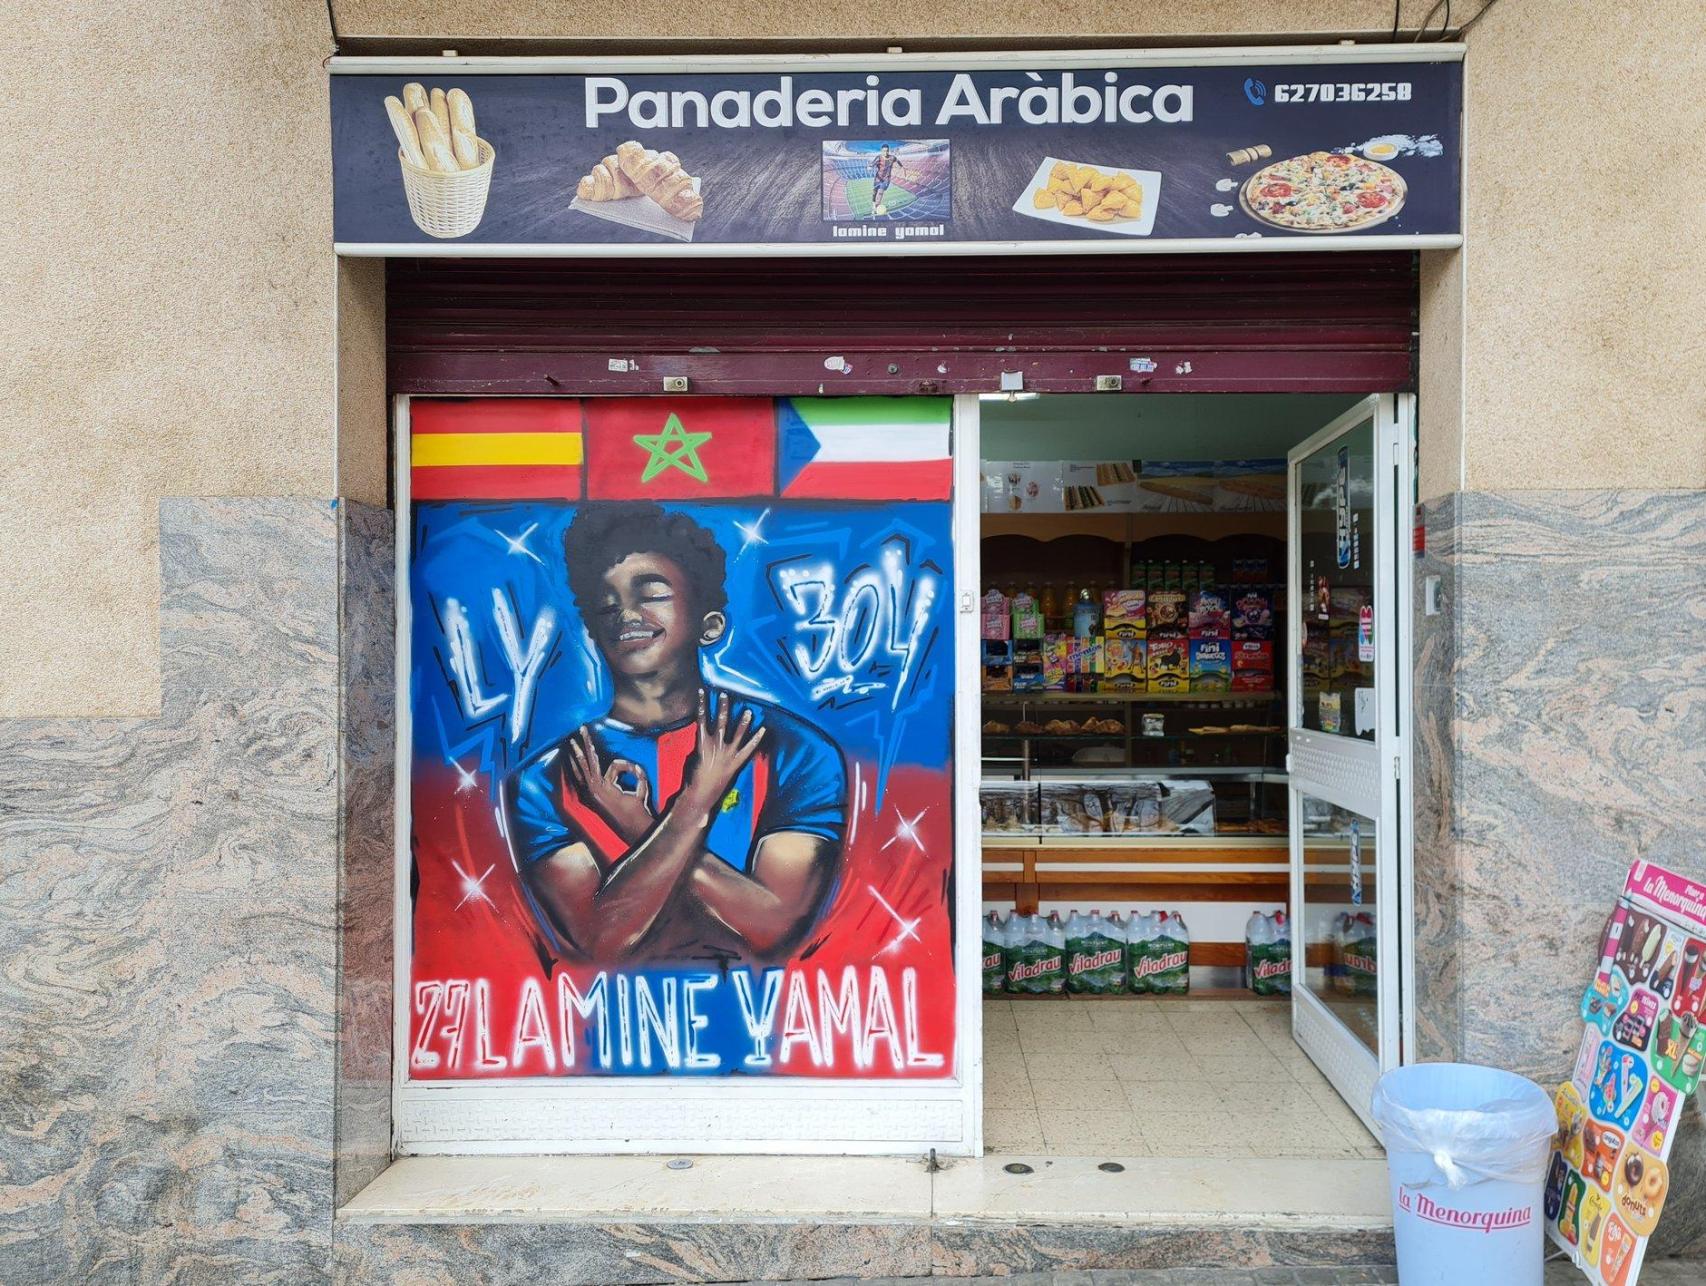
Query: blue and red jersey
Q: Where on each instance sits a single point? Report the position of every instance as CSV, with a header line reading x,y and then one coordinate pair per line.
x,y
795,782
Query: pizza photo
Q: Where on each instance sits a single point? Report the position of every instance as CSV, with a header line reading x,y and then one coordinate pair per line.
x,y
1324,192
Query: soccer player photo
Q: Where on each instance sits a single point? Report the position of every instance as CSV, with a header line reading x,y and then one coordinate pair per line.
x,y
679,714
885,179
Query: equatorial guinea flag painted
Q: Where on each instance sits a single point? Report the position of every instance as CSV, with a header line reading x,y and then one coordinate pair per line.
x,y
864,448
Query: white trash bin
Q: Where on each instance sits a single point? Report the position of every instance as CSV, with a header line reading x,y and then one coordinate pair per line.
x,y
1466,1151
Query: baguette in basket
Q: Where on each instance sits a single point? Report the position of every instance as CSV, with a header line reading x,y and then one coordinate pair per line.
x,y
447,166
435,130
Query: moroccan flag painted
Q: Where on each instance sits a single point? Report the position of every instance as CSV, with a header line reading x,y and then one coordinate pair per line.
x,y
864,448
495,449
680,448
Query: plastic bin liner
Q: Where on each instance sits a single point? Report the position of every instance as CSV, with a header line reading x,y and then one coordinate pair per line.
x,y
1476,1123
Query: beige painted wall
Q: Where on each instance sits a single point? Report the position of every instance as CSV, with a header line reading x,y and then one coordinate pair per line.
x,y
169,312
1585,246
173,303
869,21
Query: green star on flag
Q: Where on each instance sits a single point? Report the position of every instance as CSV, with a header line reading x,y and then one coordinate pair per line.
x,y
674,448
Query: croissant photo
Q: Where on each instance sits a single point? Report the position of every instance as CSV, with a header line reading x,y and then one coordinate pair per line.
x,y
636,170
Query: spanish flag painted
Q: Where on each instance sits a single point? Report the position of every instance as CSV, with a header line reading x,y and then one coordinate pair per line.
x,y
495,449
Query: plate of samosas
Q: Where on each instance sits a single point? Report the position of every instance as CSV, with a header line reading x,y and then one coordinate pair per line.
x,y
1090,196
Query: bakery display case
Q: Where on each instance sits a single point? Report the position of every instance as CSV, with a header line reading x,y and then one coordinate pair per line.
x,y
1133,710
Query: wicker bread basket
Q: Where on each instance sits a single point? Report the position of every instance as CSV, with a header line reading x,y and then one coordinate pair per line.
x,y
448,205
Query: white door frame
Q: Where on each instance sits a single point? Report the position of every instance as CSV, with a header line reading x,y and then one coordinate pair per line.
x,y
807,1115
1373,778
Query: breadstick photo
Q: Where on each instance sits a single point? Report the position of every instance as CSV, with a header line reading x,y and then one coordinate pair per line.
x,y
446,165
461,111
435,143
463,145
403,125
441,110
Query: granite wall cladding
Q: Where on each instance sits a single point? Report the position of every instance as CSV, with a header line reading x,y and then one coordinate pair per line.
x,y
1573,742
367,722
168,890
1439,1025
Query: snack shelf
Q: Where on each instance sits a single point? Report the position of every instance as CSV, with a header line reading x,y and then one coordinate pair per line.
x,y
1128,698
1139,737
1158,772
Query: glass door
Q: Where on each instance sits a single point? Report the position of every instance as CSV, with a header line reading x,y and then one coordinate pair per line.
x,y
1347,604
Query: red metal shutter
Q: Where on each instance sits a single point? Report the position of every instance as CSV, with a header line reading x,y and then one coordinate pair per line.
x,y
1295,322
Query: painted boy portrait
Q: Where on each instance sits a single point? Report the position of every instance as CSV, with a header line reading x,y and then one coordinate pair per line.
x,y
689,823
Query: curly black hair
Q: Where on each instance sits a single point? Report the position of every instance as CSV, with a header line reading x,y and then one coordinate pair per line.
x,y
604,533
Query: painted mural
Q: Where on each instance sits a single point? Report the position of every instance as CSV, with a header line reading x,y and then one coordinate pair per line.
x,y
681,698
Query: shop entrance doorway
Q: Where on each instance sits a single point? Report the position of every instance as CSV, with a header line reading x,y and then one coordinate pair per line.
x,y
1181,883
1275,347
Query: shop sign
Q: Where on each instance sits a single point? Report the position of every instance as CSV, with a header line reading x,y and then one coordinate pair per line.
x,y
680,767
1246,151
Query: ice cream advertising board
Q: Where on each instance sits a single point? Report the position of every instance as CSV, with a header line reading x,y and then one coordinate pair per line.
x,y
1641,1056
541,157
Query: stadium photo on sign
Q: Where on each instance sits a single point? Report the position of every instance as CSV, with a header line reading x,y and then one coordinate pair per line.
x,y
885,179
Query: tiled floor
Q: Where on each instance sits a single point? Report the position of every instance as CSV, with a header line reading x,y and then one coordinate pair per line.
x,y
1145,1076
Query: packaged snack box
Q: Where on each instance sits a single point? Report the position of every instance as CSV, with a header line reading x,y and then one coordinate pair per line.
x,y
1055,648
1125,613
1027,617
1249,654
1210,618
1027,664
997,616
1252,681
1125,665
1252,666
1252,614
1211,665
1084,660
997,665
1169,665
1169,611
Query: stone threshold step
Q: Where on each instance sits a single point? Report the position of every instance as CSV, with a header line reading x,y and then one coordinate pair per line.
x,y
1343,1193
630,1220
